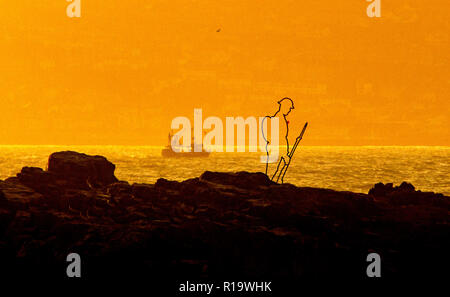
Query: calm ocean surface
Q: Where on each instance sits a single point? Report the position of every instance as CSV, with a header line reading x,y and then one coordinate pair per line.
x,y
341,168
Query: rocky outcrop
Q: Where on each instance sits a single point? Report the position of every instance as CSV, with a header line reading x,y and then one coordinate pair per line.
x,y
238,179
406,194
81,169
220,225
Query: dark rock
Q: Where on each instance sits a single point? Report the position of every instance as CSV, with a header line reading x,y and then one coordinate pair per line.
x,y
119,188
39,180
124,200
82,169
21,222
405,194
406,187
77,200
35,176
218,226
167,184
381,189
6,216
17,196
144,191
239,179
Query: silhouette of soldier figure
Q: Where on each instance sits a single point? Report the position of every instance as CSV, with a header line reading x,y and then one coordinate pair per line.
x,y
285,106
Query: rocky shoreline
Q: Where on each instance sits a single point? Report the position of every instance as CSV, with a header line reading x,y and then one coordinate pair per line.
x,y
219,225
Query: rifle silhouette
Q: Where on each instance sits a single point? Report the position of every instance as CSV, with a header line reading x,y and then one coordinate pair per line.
x,y
290,155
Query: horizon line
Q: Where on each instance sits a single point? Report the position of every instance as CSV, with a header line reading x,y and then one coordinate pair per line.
x,y
235,146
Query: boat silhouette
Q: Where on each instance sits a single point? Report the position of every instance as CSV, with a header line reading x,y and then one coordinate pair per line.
x,y
168,151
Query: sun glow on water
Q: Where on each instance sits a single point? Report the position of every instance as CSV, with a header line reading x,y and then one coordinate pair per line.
x,y
342,168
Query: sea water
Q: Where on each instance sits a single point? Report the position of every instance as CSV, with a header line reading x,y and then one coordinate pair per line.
x,y
354,169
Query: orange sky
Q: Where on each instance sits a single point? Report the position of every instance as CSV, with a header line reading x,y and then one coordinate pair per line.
x,y
125,69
